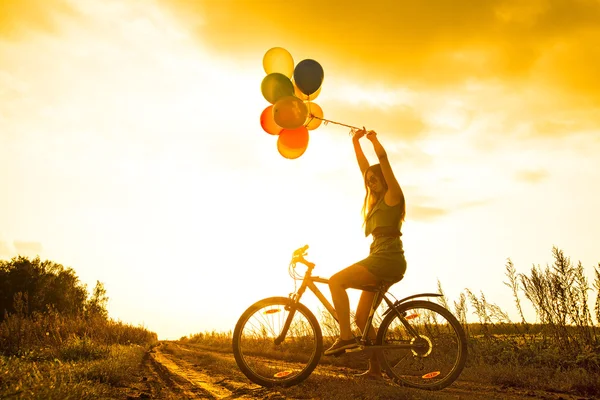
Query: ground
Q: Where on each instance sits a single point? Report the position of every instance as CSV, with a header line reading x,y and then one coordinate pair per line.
x,y
178,371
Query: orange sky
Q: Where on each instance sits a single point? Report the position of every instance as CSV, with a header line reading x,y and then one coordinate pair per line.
x,y
130,147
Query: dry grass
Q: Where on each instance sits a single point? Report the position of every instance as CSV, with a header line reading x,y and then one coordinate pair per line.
x,y
49,356
24,378
45,333
560,351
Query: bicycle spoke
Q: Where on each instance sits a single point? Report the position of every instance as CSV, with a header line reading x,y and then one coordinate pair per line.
x,y
437,346
397,363
268,363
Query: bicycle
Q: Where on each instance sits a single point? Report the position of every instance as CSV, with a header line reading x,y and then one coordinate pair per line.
x,y
278,341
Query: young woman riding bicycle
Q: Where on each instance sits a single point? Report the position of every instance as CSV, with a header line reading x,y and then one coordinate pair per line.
x,y
383,211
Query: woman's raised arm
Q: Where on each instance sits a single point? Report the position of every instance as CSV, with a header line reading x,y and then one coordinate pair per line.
x,y
394,193
363,163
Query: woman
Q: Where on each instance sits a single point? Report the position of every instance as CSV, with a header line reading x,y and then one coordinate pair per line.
x,y
383,212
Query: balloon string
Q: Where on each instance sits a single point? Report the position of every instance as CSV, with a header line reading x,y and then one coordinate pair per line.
x,y
327,121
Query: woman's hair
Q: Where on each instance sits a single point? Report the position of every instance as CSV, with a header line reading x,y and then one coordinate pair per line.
x,y
372,198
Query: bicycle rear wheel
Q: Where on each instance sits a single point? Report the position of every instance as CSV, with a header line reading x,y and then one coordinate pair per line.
x,y
269,364
438,351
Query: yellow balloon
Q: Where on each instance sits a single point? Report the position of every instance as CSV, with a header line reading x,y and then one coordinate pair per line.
x,y
278,60
315,112
290,112
310,97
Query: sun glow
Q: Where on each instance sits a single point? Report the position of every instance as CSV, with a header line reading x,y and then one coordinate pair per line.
x,y
131,151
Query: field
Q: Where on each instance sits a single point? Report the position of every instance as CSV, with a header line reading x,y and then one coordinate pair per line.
x,y
501,366
54,355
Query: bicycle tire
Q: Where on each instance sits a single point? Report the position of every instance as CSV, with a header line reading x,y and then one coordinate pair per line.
x,y
268,364
443,352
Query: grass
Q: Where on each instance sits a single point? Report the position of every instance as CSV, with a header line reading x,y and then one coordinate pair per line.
x,y
53,356
44,333
558,352
26,378
50,356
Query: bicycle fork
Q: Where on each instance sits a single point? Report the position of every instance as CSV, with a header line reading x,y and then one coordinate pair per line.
x,y
291,308
286,326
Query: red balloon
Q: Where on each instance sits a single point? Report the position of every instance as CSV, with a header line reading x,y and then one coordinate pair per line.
x,y
292,143
268,122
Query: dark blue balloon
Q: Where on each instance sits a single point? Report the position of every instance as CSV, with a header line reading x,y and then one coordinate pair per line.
x,y
308,76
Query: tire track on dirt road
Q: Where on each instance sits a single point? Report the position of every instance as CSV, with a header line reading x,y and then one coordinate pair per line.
x,y
201,373
200,383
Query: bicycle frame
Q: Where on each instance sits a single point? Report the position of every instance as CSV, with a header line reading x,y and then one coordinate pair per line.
x,y
309,282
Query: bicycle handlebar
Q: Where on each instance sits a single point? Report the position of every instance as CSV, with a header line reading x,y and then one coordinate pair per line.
x,y
298,256
301,251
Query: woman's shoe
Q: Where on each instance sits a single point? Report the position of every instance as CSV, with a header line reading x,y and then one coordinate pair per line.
x,y
341,345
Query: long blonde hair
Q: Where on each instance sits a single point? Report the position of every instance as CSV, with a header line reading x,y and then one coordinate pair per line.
x,y
372,198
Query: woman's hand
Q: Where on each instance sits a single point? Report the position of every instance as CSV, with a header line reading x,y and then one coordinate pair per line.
x,y
358,133
372,135
363,163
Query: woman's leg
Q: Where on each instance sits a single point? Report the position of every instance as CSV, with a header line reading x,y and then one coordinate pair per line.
x,y
362,314
354,276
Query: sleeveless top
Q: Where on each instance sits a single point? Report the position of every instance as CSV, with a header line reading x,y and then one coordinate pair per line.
x,y
384,216
386,255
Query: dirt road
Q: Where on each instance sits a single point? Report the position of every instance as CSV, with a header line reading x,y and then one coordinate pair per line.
x,y
176,371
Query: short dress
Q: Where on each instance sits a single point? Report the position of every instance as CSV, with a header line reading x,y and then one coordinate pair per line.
x,y
386,256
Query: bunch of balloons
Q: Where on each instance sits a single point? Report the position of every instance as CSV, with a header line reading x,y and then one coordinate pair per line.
x,y
290,91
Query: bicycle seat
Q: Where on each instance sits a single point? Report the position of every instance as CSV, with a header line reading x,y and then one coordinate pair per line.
x,y
377,287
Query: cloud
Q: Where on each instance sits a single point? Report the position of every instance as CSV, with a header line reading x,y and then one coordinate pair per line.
x,y
421,207
424,213
6,249
400,120
554,128
11,249
531,176
517,70
18,18
424,44
28,248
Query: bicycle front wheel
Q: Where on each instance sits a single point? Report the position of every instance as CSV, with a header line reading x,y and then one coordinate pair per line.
x,y
270,362
435,344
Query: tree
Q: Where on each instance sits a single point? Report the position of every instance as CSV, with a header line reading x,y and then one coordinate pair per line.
x,y
46,285
96,305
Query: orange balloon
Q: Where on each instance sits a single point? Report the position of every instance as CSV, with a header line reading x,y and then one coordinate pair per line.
x,y
306,97
290,112
268,123
288,153
314,110
278,59
292,143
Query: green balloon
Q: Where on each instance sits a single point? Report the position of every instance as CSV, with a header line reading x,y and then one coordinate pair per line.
x,y
275,86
